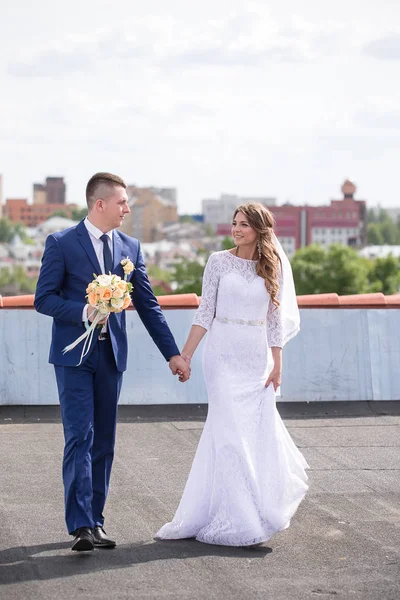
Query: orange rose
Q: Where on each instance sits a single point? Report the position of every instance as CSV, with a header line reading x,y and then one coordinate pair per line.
x,y
92,298
127,301
105,294
118,293
122,285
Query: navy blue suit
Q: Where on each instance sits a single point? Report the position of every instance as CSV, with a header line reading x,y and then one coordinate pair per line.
x,y
89,393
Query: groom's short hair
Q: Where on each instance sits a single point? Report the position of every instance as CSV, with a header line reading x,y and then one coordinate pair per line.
x,y
107,181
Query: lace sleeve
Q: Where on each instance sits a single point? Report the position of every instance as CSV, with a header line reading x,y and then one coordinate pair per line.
x,y
274,321
206,311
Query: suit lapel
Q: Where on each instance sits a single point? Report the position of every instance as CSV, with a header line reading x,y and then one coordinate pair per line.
x,y
117,249
86,243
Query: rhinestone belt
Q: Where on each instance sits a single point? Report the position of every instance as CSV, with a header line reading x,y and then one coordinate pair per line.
x,y
239,321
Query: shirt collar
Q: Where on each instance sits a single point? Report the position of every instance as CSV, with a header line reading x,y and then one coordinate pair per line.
x,y
96,233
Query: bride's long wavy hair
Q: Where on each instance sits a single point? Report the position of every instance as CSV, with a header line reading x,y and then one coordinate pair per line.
x,y
262,221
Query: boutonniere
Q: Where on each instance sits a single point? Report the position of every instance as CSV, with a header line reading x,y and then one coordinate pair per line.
x,y
128,266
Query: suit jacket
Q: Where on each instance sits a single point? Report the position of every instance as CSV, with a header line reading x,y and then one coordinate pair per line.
x,y
68,265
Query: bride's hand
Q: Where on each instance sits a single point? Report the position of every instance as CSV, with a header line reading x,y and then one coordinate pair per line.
x,y
186,358
275,377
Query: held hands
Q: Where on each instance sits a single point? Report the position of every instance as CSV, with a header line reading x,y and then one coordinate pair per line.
x,y
187,360
275,377
180,366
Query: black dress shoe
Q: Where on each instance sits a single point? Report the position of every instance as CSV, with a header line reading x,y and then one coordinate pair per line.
x,y
100,538
83,539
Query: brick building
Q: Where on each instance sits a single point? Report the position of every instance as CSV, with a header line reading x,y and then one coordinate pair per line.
x,y
48,198
151,210
343,221
39,193
52,192
18,210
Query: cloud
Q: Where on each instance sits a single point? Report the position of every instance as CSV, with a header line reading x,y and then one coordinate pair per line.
x,y
82,55
389,120
384,48
52,63
250,38
225,56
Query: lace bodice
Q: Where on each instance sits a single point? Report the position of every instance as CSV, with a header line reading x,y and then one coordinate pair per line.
x,y
233,290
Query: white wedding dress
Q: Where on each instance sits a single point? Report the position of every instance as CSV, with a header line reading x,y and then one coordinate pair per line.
x,y
247,477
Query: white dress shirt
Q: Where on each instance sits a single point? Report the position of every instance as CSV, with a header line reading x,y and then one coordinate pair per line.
x,y
95,235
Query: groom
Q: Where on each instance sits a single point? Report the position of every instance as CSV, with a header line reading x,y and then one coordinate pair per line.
x,y
89,393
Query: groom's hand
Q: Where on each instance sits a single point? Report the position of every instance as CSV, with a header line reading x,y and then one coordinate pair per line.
x,y
179,366
92,313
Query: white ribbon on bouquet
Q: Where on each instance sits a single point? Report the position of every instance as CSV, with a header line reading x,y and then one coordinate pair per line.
x,y
87,336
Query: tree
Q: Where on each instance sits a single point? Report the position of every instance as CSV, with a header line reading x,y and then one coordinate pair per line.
x,y
6,231
377,215
209,230
19,229
390,232
188,275
186,219
78,214
347,272
156,273
374,234
227,243
15,281
58,213
339,270
372,215
158,290
381,229
308,270
342,271
385,275
383,216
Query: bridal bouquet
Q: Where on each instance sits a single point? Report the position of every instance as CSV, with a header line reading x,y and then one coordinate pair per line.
x,y
107,294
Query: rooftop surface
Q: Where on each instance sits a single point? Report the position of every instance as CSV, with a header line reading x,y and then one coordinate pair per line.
x,y
344,541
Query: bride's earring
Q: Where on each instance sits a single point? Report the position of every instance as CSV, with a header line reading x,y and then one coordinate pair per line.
x,y
259,249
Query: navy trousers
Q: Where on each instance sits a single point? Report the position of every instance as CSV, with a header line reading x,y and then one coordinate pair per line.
x,y
88,400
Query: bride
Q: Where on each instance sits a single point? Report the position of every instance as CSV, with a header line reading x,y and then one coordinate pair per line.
x,y
247,477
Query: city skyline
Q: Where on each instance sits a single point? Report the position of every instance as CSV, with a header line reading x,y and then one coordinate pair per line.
x,y
37,188
212,99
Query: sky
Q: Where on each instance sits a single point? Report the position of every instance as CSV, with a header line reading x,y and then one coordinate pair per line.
x,y
273,98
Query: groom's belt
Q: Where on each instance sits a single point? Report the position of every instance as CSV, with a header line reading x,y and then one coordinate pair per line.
x,y
240,321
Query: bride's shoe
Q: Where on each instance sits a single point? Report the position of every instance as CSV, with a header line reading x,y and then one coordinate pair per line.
x,y
253,546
